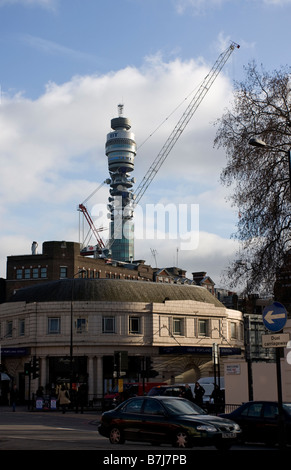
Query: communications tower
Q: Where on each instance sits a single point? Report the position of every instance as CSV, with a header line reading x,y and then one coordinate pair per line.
x,y
121,150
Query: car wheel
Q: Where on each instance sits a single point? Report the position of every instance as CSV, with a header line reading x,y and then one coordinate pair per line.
x,y
181,439
115,436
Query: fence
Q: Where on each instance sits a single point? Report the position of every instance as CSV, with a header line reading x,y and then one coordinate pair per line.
x,y
221,408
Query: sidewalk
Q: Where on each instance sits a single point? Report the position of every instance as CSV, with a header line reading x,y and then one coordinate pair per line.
x,y
88,414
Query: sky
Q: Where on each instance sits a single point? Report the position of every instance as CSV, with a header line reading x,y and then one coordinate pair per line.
x,y
65,67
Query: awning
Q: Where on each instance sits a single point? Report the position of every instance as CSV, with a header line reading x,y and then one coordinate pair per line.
x,y
4,376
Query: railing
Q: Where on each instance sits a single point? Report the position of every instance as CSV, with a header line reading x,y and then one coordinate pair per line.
x,y
97,404
216,409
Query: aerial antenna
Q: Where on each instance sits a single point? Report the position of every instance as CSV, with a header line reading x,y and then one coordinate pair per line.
x,y
154,253
120,110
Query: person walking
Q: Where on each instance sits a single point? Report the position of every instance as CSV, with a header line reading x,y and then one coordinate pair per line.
x,y
63,398
14,397
188,392
81,399
199,392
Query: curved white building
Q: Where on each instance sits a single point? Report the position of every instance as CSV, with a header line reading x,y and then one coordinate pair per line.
x,y
173,325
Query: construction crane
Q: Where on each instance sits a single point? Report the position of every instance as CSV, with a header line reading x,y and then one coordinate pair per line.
x,y
184,120
172,139
89,249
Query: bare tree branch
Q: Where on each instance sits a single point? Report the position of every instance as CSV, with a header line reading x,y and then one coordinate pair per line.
x,y
259,178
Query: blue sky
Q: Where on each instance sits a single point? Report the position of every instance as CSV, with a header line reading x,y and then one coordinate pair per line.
x,y
66,65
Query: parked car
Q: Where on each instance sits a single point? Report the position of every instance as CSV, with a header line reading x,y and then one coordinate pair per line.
x,y
258,421
114,396
163,419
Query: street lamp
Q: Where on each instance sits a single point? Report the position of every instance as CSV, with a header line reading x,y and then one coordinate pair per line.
x,y
71,333
261,144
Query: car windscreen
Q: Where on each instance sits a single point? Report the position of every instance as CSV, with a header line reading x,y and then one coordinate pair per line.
x,y
182,407
287,408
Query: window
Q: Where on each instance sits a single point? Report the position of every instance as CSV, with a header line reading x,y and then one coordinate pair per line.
x,y
9,328
233,330
81,325
21,326
43,272
202,327
27,273
271,411
108,324
18,273
35,273
253,410
178,326
152,407
134,325
54,325
63,272
134,406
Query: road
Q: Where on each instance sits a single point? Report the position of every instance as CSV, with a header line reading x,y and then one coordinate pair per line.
x,y
38,430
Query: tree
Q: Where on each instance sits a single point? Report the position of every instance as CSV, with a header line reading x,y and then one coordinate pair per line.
x,y
259,179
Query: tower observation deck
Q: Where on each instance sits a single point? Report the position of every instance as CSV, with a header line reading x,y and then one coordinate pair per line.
x,y
121,150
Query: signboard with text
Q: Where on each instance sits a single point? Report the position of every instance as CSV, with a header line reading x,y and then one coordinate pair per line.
x,y
275,340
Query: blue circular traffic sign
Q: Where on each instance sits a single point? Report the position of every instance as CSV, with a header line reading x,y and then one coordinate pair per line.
x,y
275,316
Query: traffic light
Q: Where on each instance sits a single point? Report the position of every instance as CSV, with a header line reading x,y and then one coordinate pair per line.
x,y
149,371
27,369
35,367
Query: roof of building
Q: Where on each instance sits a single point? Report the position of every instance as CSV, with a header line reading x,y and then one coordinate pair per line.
x,y
111,290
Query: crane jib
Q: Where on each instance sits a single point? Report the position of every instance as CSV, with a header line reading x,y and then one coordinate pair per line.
x,y
184,120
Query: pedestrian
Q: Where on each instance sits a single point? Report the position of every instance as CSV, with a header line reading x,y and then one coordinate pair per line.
x,y
39,392
64,398
215,395
188,392
81,398
14,397
216,398
199,392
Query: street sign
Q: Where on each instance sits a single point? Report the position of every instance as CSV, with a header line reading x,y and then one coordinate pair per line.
x,y
275,340
275,317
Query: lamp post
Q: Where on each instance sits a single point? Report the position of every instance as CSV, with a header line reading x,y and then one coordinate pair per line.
x,y
71,326
261,144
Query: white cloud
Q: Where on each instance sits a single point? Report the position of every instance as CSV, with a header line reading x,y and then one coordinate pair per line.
x,y
212,255
53,155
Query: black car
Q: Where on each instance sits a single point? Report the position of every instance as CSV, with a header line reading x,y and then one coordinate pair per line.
x,y
258,421
171,420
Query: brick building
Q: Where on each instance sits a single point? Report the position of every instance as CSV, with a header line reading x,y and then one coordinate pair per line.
x,y
63,260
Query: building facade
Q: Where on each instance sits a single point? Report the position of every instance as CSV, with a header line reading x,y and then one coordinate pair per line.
x,y
74,327
63,260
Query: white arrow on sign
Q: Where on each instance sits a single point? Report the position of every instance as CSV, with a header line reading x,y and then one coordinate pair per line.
x,y
271,316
